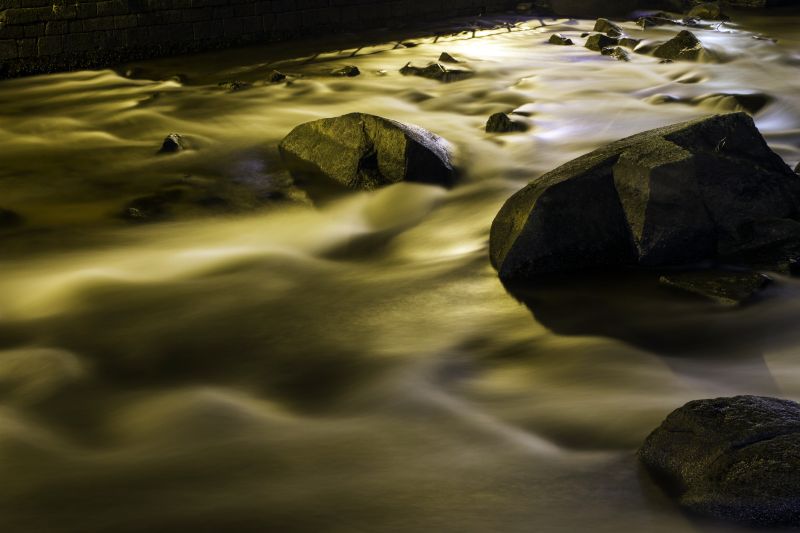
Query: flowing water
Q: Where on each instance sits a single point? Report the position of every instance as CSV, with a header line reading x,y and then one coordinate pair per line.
x,y
353,366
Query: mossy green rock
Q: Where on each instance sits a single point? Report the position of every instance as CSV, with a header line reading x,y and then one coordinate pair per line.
x,y
364,152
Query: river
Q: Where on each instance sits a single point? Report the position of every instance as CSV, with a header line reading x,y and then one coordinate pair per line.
x,y
272,365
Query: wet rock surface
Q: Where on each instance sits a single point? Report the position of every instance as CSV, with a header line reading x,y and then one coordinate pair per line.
x,y
436,71
561,40
503,123
599,41
684,47
677,195
173,143
609,28
348,71
360,151
620,54
731,458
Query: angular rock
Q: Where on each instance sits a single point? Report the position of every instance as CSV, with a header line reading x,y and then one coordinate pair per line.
x,y
607,27
671,196
444,57
723,287
684,46
598,41
502,123
436,71
173,143
617,53
348,71
559,39
360,151
731,458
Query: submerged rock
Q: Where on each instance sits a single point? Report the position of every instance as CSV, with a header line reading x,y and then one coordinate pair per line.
x,y
723,287
151,208
599,41
435,71
607,27
676,195
559,39
235,85
629,42
9,218
502,123
276,77
348,71
750,102
173,143
684,46
360,151
731,458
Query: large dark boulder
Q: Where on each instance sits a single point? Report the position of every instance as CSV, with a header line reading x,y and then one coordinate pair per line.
x,y
360,151
731,458
676,195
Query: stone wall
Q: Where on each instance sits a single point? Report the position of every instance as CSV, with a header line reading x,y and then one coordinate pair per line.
x,y
49,35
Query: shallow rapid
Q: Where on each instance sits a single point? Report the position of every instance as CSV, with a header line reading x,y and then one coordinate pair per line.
x,y
354,365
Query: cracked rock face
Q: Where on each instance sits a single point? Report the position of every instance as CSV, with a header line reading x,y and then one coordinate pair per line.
x,y
731,458
364,152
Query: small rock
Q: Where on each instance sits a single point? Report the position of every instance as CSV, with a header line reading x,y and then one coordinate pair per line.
x,y
9,219
173,143
235,85
502,123
409,44
348,71
731,458
447,58
684,46
435,71
598,41
726,288
666,61
559,39
607,27
276,77
585,34
617,53
151,208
